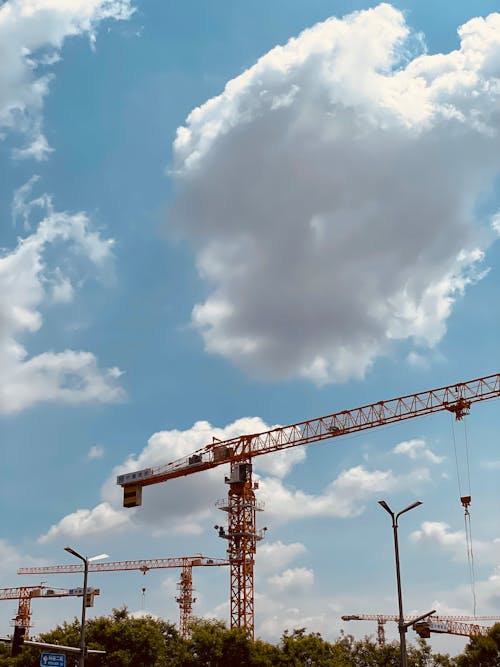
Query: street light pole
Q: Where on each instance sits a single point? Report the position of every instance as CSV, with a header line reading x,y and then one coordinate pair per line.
x,y
402,626
81,658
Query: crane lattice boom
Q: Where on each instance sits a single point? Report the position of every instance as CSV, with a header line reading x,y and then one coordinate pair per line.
x,y
451,625
142,565
456,398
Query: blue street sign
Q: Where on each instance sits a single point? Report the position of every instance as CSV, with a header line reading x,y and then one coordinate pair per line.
x,y
53,660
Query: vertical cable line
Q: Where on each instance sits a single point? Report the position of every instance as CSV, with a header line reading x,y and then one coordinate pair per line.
x,y
452,424
468,528
465,500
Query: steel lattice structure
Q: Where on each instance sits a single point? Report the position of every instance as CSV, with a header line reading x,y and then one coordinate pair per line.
x,y
452,625
241,505
185,586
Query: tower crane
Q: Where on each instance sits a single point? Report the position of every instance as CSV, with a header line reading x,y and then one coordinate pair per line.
x,y
185,597
26,593
452,625
241,505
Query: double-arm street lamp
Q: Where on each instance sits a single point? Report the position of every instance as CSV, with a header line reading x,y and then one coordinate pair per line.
x,y
402,626
86,561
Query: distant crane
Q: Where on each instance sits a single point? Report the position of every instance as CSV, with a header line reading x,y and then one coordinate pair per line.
x,y
26,593
185,598
241,505
452,625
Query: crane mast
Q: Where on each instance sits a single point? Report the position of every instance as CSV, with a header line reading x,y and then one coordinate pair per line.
x,y
185,586
241,505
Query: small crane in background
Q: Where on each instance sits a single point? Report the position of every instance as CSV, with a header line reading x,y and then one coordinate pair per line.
x,y
185,586
22,621
451,625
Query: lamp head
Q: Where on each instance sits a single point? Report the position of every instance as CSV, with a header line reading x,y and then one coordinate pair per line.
x,y
412,506
385,506
99,557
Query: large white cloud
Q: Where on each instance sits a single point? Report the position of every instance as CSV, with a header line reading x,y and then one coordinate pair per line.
x,y
342,498
330,191
101,519
32,33
180,506
186,505
32,275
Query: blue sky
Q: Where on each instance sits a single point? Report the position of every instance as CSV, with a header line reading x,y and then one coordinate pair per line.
x,y
203,234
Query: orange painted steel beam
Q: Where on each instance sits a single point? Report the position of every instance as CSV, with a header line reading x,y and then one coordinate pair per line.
x,y
456,398
142,565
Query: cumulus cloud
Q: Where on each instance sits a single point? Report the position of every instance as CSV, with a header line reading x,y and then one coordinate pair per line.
x,y
32,275
102,518
273,556
292,580
438,534
183,505
32,34
416,449
342,498
329,192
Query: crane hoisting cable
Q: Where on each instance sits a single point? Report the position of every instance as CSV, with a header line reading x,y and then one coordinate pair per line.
x,y
465,499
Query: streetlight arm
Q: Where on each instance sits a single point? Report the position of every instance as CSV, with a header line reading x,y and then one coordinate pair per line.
x,y
75,553
407,509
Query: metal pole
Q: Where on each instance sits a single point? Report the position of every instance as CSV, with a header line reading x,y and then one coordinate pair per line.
x,y
81,660
402,626
401,622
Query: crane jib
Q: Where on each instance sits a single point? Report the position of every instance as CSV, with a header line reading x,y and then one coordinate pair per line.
x,y
456,398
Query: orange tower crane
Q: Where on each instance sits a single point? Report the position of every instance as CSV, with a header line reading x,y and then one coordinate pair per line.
x,y
241,505
452,625
26,593
185,586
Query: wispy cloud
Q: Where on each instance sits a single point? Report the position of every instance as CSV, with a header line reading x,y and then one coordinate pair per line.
x,y
28,281
417,449
32,35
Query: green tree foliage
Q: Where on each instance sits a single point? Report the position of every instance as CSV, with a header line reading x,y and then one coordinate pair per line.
x,y
482,651
151,642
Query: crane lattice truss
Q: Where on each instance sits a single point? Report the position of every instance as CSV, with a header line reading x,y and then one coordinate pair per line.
x,y
185,586
241,505
452,625
26,593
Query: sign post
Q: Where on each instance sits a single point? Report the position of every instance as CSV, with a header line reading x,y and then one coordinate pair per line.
x,y
53,660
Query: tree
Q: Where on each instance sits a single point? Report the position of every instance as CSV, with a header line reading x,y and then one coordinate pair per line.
x,y
482,651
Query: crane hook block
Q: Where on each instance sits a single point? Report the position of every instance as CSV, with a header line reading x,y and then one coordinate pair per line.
x,y
465,500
